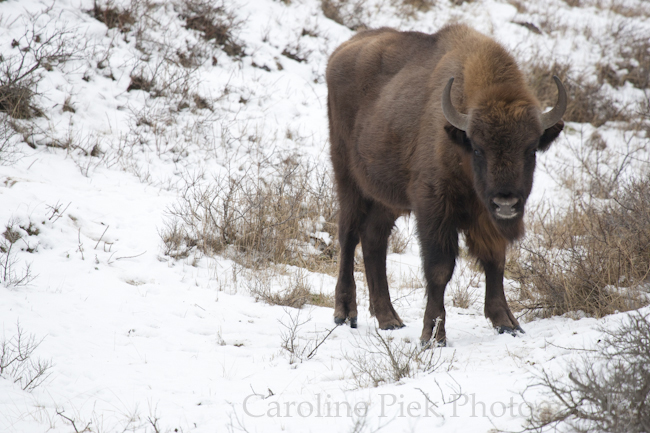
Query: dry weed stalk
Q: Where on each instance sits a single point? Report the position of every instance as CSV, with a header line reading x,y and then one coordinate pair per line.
x,y
290,338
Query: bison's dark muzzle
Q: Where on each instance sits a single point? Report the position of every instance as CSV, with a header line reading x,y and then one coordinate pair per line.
x,y
505,207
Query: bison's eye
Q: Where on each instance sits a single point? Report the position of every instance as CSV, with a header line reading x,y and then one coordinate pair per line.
x,y
478,152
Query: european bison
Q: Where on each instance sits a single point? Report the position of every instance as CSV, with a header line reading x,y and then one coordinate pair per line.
x,y
400,143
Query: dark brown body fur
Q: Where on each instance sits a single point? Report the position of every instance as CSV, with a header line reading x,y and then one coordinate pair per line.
x,y
393,152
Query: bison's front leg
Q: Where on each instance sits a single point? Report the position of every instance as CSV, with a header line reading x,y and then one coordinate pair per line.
x,y
439,259
496,306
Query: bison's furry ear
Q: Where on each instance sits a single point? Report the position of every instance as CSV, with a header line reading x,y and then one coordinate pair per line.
x,y
550,135
459,137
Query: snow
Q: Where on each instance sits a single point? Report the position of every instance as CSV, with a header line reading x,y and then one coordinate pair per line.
x,y
142,342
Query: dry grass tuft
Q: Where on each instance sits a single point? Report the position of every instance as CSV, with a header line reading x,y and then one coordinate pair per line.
x,y
295,295
288,217
398,241
588,101
293,291
410,8
16,100
595,258
21,66
111,15
519,5
140,82
215,22
345,12
464,286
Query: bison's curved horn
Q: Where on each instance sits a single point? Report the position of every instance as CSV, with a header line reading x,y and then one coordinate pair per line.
x,y
552,117
459,120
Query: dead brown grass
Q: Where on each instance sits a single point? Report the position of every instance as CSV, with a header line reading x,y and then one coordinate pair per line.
x,y
113,16
398,241
348,13
628,9
21,66
288,217
588,102
293,290
215,22
410,8
464,286
594,258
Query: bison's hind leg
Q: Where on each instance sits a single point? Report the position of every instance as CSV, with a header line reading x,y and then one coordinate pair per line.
x,y
375,230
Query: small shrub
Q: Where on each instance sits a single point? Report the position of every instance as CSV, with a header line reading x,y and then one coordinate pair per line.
x,y
215,22
464,285
378,359
288,217
10,276
608,390
295,294
297,350
178,244
296,52
18,363
587,101
345,12
410,8
9,150
112,16
398,241
20,68
594,258
635,54
626,8
294,290
519,5
140,82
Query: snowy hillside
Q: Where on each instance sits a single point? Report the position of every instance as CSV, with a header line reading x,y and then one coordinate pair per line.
x,y
132,298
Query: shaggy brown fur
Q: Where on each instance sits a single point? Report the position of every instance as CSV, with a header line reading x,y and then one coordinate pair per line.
x,y
394,152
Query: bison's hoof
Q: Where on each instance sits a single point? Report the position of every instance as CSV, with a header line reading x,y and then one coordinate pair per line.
x,y
391,326
509,330
339,321
429,344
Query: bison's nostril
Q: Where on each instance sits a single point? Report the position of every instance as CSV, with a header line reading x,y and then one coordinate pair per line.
x,y
505,207
505,202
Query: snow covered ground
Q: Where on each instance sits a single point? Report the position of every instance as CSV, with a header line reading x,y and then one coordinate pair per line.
x,y
141,342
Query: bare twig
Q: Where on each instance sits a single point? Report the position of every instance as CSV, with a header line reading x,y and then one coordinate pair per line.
x,y
100,238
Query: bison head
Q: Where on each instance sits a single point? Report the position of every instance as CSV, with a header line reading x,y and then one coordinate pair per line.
x,y
501,134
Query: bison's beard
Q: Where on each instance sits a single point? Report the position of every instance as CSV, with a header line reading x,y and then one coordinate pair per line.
x,y
511,229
